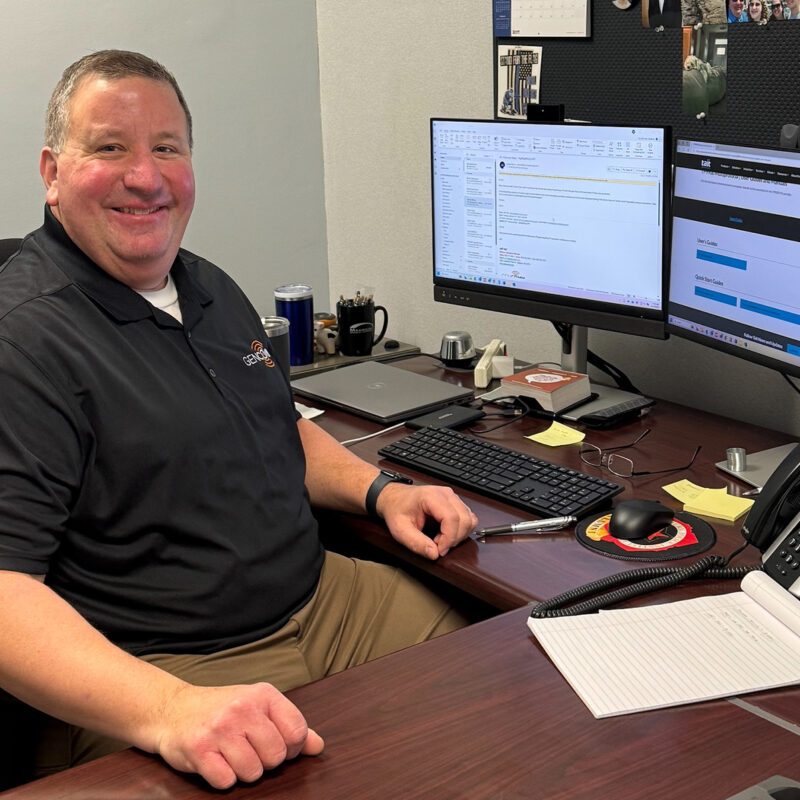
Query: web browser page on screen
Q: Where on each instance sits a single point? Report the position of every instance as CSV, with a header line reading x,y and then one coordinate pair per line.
x,y
735,274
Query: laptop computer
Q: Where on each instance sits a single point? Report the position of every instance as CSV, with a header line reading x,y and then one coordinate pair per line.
x,y
379,391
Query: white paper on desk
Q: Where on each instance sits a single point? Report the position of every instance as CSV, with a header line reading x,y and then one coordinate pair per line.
x,y
628,660
306,412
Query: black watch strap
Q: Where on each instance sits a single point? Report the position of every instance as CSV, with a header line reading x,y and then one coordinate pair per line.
x,y
385,477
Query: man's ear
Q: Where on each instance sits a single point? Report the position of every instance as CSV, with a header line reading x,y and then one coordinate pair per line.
x,y
48,169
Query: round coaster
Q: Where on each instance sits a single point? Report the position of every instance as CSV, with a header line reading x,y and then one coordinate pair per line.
x,y
686,536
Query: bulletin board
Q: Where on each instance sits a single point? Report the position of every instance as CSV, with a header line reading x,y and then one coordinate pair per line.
x,y
628,74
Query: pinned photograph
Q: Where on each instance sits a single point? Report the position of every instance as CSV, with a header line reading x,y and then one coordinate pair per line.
x,y
705,67
518,73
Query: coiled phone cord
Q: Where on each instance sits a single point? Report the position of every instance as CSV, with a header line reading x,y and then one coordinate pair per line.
x,y
649,579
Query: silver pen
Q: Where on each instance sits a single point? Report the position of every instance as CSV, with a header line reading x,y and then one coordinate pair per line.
x,y
531,526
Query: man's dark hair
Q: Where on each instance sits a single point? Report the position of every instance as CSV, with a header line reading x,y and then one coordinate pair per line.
x,y
109,64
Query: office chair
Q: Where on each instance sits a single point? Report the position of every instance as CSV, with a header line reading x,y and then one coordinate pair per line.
x,y
20,728
20,732
8,247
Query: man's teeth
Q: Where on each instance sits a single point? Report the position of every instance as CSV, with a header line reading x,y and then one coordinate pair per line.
x,y
139,211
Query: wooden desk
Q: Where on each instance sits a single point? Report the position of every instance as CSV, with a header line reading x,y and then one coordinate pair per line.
x,y
480,713
508,572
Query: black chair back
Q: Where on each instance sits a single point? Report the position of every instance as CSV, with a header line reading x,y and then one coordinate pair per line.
x,y
8,247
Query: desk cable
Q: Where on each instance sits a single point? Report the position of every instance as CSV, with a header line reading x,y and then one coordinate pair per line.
x,y
348,442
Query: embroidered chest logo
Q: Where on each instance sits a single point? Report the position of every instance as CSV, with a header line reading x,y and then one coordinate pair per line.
x,y
259,354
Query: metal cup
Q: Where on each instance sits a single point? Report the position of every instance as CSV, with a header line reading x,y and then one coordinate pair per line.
x,y
737,459
277,330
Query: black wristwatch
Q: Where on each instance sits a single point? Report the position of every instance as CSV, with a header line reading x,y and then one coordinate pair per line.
x,y
376,487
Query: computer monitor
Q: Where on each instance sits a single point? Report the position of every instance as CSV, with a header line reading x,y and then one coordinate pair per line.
x,y
735,275
557,221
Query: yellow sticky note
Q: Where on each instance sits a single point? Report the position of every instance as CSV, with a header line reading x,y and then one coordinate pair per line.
x,y
557,435
687,492
684,490
719,504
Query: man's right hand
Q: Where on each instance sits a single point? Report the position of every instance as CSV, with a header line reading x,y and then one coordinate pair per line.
x,y
230,733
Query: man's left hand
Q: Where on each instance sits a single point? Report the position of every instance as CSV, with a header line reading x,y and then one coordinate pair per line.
x,y
405,510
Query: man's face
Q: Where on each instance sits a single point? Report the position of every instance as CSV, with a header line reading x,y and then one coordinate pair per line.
x,y
122,185
736,7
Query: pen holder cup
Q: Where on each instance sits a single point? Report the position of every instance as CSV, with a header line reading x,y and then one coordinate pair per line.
x,y
357,327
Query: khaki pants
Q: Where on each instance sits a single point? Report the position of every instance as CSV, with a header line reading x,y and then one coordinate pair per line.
x,y
359,611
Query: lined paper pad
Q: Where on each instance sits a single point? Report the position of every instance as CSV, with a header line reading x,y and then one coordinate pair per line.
x,y
628,660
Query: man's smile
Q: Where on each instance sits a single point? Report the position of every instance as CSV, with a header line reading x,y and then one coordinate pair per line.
x,y
139,211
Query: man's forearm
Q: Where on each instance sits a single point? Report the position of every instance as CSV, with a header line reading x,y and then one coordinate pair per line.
x,y
51,658
335,477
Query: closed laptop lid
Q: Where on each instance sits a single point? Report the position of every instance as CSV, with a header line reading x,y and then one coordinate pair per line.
x,y
379,391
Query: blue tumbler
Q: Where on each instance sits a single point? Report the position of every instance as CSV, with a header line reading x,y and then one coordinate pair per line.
x,y
295,301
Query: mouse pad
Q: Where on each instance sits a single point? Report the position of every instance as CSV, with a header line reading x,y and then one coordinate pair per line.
x,y
686,536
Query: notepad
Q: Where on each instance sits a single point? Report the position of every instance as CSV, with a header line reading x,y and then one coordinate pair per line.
x,y
628,660
716,503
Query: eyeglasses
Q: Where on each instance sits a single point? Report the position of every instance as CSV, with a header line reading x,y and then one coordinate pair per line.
x,y
621,466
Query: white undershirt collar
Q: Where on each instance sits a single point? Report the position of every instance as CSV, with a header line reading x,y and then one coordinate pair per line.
x,y
166,299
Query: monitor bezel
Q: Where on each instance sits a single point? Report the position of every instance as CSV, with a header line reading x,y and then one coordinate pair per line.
x,y
719,345
650,323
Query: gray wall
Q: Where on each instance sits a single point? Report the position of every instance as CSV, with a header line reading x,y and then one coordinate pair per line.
x,y
250,73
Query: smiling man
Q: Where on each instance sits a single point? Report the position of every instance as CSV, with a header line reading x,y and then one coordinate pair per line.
x,y
161,573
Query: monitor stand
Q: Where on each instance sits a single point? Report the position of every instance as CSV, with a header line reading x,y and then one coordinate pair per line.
x,y
574,359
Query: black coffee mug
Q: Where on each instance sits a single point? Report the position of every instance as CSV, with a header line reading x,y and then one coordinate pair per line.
x,y
357,327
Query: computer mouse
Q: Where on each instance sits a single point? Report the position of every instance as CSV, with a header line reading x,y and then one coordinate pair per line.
x,y
637,519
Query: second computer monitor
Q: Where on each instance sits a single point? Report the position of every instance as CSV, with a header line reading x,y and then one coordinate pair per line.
x,y
735,282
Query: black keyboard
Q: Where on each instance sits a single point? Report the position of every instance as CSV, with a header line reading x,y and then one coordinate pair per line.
x,y
533,484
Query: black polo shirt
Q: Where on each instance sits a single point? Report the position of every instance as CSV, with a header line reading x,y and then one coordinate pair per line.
x,y
152,470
